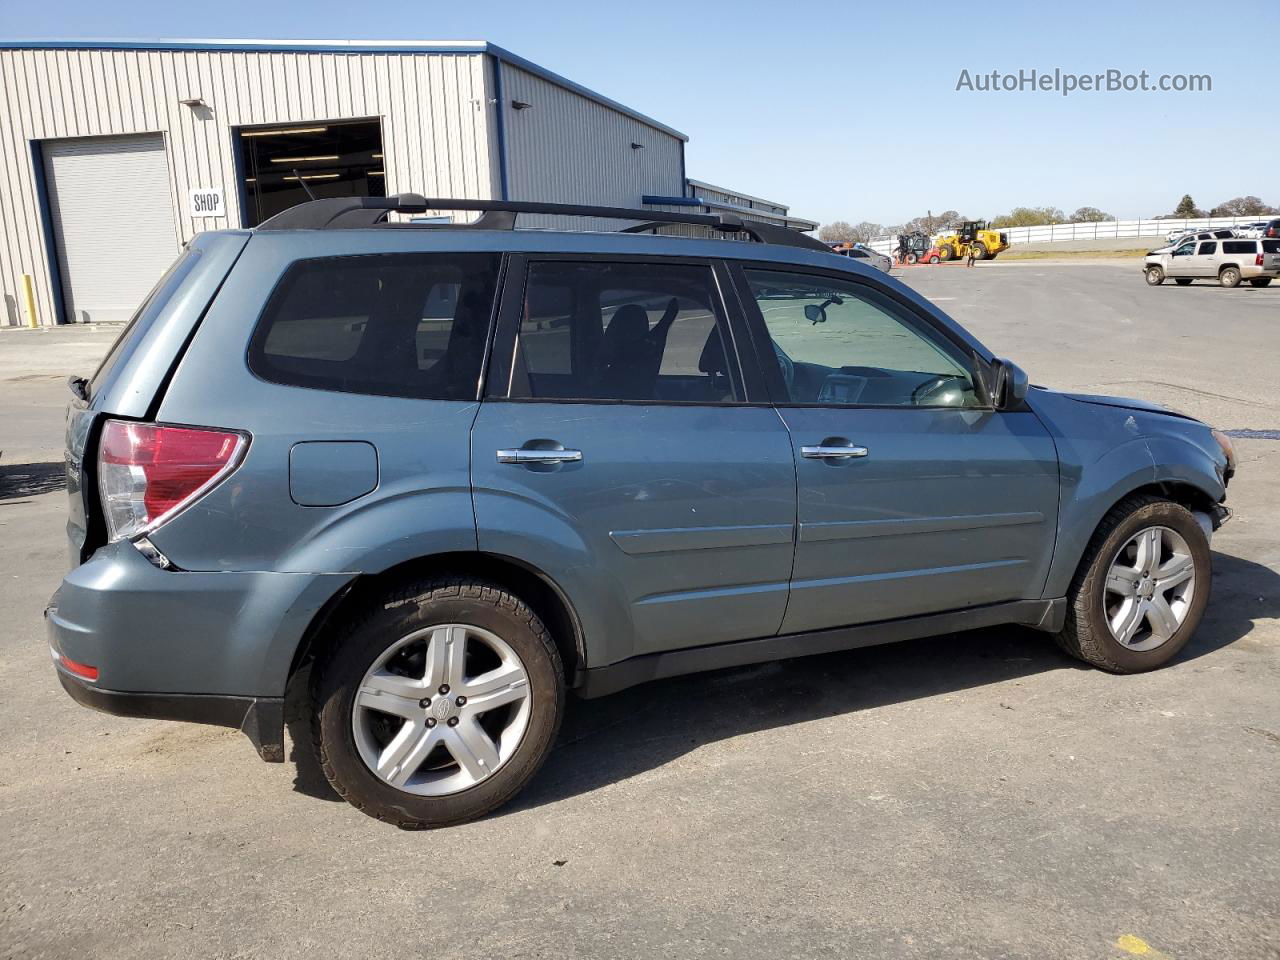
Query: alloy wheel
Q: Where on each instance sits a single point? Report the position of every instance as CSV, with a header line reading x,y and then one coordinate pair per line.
x,y
1149,588
441,710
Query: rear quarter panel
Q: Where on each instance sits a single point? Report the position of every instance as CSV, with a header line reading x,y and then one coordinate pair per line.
x,y
421,503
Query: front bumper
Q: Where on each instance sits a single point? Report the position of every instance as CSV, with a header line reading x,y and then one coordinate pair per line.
x,y
261,719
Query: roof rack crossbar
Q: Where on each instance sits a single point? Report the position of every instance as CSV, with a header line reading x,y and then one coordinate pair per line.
x,y
354,212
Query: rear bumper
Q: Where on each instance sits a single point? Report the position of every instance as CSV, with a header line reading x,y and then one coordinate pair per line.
x,y
261,719
210,647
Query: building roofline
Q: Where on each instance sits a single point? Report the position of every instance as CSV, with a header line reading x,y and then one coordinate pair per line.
x,y
737,193
798,223
482,47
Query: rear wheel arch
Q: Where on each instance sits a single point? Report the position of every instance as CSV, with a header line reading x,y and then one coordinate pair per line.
x,y
543,595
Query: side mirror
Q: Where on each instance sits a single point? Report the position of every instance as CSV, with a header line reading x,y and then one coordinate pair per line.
x,y
1009,384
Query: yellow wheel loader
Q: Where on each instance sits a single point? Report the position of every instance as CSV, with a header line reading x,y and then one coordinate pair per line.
x,y
986,243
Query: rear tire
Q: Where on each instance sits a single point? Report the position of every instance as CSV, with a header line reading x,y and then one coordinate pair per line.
x,y
912,259
1155,276
979,252
1260,282
456,760
1159,619
1229,277
944,254
1182,281
934,259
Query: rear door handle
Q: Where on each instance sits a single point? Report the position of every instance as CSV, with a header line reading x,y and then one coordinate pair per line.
x,y
833,448
527,455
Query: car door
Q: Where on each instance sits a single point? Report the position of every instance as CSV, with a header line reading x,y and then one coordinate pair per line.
x,y
1182,260
915,496
1205,261
620,452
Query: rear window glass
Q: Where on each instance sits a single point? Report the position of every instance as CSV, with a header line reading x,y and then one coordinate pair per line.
x,y
399,325
1238,246
145,316
1271,246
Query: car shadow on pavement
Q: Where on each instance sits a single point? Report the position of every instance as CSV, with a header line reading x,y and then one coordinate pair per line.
x,y
607,740
21,480
638,730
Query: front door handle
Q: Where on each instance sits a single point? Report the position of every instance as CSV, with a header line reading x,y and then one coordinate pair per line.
x,y
529,455
833,448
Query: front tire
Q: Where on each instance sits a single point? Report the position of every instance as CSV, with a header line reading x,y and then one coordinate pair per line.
x,y
1229,277
944,254
437,703
1141,587
1155,276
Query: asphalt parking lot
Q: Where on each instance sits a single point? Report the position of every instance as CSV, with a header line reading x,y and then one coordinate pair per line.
x,y
969,796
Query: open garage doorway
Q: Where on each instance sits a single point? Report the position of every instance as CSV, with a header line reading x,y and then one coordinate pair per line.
x,y
334,158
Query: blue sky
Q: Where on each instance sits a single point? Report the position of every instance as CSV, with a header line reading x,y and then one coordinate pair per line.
x,y
848,110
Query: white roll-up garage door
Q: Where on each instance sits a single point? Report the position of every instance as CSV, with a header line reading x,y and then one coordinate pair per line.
x,y
112,214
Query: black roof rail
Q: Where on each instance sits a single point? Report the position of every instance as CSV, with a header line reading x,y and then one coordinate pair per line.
x,y
353,212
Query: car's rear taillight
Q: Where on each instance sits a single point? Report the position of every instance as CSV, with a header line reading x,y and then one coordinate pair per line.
x,y
147,473
1257,261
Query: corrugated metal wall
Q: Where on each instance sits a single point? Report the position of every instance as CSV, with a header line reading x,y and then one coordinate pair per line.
x,y
437,125
566,148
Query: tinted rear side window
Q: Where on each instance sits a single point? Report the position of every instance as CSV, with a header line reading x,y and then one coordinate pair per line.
x,y
1239,246
1271,246
623,331
398,325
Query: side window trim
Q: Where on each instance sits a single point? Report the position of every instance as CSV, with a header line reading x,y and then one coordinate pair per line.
x,y
502,356
772,375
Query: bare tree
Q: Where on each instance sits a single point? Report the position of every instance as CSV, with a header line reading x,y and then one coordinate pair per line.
x,y
1242,207
837,231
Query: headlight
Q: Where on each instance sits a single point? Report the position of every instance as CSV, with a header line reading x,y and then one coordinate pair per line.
x,y
1229,451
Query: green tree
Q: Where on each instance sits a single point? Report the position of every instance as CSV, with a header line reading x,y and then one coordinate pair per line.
x,y
1090,215
1030,217
1187,209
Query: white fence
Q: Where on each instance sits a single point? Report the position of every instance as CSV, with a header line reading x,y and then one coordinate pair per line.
x,y
1103,230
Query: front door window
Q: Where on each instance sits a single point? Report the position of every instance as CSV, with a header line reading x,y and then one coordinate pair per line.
x,y
843,343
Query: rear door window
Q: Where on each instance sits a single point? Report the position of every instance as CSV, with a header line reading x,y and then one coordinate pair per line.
x,y
1208,248
623,331
400,325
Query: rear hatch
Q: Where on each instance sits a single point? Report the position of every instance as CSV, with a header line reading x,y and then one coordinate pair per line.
x,y
131,378
1270,254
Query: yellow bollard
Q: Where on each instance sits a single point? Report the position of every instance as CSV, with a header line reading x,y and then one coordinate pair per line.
x,y
29,296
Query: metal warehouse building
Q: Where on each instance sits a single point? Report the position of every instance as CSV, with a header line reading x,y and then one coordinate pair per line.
x,y
113,154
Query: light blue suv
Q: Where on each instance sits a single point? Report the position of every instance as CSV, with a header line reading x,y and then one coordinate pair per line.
x,y
431,477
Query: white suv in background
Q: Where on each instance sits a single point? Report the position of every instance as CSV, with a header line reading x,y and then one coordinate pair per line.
x,y
1227,260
